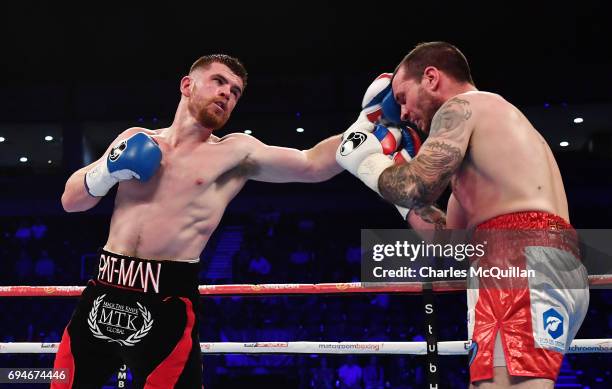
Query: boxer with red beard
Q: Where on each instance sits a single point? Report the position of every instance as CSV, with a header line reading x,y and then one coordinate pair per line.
x,y
174,185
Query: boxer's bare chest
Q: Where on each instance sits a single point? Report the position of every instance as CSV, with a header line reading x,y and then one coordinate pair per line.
x,y
187,174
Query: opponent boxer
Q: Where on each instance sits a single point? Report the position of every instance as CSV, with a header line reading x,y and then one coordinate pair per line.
x,y
173,186
504,177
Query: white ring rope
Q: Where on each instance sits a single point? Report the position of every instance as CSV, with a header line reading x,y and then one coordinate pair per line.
x,y
457,347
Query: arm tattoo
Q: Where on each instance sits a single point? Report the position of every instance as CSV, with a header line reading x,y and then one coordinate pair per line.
x,y
420,182
432,215
451,117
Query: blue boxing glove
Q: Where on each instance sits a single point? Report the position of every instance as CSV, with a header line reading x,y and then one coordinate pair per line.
x,y
390,138
379,104
409,145
138,156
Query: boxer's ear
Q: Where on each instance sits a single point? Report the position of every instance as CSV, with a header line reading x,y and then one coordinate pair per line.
x,y
185,86
431,78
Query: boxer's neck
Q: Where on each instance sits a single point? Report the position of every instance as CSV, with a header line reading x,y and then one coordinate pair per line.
x,y
453,89
186,129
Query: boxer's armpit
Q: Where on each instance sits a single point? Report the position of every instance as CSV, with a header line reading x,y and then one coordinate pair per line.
x,y
243,170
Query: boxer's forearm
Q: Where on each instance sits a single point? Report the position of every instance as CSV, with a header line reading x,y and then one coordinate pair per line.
x,y
75,197
401,185
322,157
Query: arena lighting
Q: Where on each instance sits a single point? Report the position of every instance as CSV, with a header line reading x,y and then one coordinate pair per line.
x,y
48,138
23,159
249,132
49,161
299,129
564,144
578,120
2,139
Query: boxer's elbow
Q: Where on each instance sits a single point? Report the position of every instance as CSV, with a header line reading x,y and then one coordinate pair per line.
x,y
69,204
72,202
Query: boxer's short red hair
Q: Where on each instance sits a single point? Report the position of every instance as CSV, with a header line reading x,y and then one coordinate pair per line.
x,y
233,63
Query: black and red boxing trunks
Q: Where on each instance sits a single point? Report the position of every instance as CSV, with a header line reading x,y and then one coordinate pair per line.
x,y
140,313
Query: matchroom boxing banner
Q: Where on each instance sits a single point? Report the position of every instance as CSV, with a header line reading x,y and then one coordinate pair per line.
x,y
546,259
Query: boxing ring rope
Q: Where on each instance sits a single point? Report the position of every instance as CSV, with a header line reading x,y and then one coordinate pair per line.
x,y
578,346
456,347
595,281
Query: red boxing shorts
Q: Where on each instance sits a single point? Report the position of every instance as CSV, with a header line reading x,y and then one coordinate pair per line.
x,y
527,295
140,313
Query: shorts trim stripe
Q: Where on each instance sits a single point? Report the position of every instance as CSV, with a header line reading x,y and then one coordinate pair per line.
x,y
64,360
167,373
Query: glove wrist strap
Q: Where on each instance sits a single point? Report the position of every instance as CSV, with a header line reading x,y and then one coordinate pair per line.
x,y
371,168
98,180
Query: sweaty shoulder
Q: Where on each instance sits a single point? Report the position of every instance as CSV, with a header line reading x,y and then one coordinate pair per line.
x,y
488,108
486,102
241,143
242,147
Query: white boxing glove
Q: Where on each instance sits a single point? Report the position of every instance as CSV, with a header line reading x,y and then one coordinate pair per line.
x,y
361,153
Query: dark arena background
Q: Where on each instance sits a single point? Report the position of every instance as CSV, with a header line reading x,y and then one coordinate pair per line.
x,y
72,79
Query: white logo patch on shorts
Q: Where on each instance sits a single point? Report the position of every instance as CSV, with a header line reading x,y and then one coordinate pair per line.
x,y
552,329
117,323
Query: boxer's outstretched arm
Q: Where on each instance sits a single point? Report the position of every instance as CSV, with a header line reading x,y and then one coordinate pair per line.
x,y
282,164
419,183
75,197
